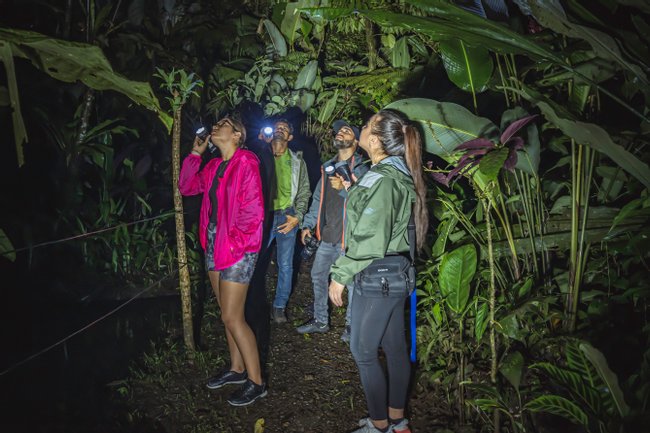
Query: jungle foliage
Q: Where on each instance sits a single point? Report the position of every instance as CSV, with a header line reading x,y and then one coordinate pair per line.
x,y
533,295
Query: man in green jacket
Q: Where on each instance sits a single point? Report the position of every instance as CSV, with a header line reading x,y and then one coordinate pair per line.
x,y
289,200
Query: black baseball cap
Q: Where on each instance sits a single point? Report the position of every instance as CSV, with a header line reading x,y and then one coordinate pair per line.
x,y
337,125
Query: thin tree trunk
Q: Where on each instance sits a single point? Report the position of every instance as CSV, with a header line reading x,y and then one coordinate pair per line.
x,y
493,340
372,46
183,270
89,98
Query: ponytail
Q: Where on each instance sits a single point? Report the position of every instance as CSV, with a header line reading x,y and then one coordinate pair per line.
x,y
400,138
413,157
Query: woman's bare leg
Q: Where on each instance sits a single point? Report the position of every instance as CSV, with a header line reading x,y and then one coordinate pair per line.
x,y
232,298
236,360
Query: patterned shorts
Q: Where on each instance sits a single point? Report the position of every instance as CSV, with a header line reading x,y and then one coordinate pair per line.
x,y
241,272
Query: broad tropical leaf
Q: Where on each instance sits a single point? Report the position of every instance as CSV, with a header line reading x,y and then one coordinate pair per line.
x,y
468,67
277,40
457,269
399,55
307,76
558,406
589,134
512,367
493,162
550,13
608,377
445,125
72,61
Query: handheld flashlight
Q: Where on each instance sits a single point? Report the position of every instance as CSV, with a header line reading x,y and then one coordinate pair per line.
x,y
268,132
202,133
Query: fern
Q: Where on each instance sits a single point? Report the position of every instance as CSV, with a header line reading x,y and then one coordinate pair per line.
x,y
381,85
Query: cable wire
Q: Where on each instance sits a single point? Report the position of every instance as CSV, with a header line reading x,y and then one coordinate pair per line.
x,y
94,322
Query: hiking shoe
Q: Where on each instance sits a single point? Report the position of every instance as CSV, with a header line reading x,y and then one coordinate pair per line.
x,y
345,337
228,377
247,394
402,426
279,315
366,426
313,326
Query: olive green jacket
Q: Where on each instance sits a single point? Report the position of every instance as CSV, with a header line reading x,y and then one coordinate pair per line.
x,y
379,207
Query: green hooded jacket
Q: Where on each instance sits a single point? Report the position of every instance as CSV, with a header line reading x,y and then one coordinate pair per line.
x,y
379,207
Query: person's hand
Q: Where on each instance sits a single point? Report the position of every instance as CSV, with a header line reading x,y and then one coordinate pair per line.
x,y
336,290
345,183
263,137
291,223
198,146
304,234
336,182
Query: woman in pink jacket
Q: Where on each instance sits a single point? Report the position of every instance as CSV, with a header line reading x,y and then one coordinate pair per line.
x,y
230,231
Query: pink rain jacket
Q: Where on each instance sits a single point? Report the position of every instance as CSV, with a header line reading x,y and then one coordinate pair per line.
x,y
240,209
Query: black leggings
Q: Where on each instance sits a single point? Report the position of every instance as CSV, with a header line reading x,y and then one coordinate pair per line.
x,y
375,322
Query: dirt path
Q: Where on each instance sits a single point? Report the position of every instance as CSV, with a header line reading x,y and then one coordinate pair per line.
x,y
313,383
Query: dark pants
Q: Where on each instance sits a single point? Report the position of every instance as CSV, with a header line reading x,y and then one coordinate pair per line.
x,y
380,322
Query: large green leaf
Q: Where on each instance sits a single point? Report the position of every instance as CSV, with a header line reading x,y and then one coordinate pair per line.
x,y
468,67
292,23
492,163
590,135
399,55
307,76
512,367
277,40
445,125
560,406
449,23
549,13
599,362
457,268
73,61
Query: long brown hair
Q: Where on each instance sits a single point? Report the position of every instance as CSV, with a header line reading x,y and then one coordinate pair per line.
x,y
400,138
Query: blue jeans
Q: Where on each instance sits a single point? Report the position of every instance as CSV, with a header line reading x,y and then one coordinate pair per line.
x,y
326,255
285,244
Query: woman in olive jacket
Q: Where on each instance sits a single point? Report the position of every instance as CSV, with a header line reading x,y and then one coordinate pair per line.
x,y
379,208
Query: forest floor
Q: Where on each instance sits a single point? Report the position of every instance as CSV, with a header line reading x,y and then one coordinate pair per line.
x,y
313,382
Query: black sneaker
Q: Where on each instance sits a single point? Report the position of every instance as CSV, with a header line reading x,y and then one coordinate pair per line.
x,y
227,378
247,394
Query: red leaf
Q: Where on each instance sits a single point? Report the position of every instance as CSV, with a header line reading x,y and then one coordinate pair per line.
x,y
440,178
511,160
514,127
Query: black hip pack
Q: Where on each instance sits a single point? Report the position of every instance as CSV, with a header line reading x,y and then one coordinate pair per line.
x,y
389,276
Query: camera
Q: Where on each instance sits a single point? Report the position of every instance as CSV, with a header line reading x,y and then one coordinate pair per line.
x,y
202,133
311,245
